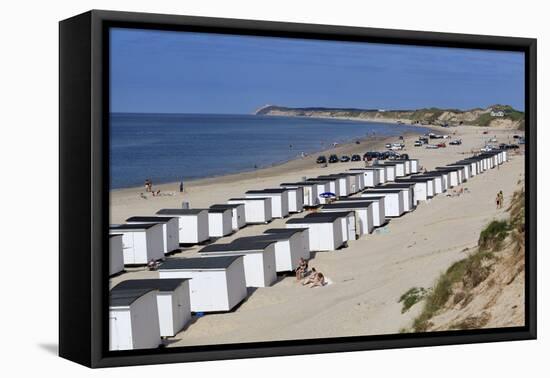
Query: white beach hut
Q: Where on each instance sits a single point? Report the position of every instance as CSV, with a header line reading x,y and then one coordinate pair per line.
x,y
382,173
331,185
256,209
464,170
347,222
173,302
259,259
407,167
452,174
301,245
364,217
393,200
378,209
238,217
441,180
323,186
220,222
343,183
309,194
216,283
295,199
389,171
279,200
288,247
414,166
133,319
116,256
399,167
371,177
325,233
193,224
170,230
421,186
409,200
141,243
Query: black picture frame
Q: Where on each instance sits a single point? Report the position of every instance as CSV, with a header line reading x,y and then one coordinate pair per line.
x,y
84,191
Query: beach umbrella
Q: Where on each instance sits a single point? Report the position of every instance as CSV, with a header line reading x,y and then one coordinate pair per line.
x,y
327,195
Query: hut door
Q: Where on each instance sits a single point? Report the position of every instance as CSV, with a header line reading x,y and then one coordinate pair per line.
x,y
351,227
128,248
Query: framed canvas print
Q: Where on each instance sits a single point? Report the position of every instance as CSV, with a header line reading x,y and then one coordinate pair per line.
x,y
234,188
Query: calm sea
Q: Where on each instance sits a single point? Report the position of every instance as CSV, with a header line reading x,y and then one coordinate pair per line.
x,y
174,147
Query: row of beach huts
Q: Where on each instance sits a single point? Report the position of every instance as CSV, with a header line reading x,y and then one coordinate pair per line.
x,y
143,311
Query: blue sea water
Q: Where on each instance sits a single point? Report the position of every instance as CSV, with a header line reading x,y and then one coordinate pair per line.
x,y
174,147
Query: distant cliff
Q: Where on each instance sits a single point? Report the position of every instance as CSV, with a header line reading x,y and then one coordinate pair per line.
x,y
496,115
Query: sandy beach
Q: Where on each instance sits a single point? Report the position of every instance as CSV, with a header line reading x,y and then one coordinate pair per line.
x,y
366,278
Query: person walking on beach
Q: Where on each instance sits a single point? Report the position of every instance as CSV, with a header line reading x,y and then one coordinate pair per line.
x,y
147,185
500,199
181,186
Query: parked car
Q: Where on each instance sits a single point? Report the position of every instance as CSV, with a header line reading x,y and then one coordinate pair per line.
x,y
456,142
333,159
424,139
388,145
344,158
516,136
521,141
355,158
368,156
432,146
418,143
441,145
321,159
493,140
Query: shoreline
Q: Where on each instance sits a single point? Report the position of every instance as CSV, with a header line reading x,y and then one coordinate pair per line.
x,y
366,143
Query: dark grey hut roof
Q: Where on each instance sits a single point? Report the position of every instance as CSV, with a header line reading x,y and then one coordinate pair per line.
x,y
267,191
414,179
194,263
226,206
219,209
132,226
242,245
301,183
180,211
320,179
249,199
381,190
151,219
285,231
319,218
261,238
122,298
113,235
447,169
160,284
430,174
359,199
404,185
349,205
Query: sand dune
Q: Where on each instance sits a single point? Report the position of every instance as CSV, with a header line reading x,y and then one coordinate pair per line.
x,y
369,276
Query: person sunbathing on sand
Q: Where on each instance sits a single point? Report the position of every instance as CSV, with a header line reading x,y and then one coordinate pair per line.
x,y
312,278
318,281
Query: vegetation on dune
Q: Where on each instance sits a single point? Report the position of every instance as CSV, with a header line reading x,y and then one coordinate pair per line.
x,y
434,116
412,297
455,286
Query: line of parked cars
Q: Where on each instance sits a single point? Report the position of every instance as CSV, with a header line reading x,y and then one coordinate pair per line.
x,y
322,159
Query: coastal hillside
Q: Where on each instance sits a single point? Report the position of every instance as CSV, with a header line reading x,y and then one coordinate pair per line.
x,y
486,289
496,115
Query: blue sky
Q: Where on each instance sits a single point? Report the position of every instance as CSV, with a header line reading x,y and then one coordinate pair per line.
x,y
180,72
